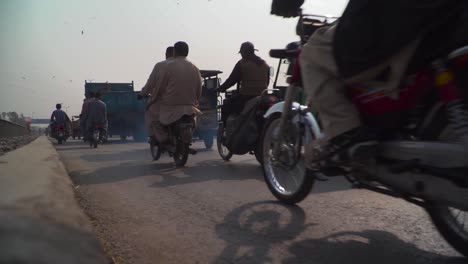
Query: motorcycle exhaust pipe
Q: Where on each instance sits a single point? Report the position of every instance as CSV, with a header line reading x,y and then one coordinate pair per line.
x,y
413,183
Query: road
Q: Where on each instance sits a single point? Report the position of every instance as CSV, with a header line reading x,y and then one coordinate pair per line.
x,y
222,212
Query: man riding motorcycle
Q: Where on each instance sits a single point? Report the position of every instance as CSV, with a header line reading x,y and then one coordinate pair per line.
x,y
96,115
372,41
89,97
59,118
176,90
252,74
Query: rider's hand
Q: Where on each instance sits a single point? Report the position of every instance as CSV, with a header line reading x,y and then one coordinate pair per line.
x,y
286,8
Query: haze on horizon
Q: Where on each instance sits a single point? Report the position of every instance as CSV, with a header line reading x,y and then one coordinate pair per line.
x,y
49,48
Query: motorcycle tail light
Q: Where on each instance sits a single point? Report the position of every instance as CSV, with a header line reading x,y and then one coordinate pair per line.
x,y
62,128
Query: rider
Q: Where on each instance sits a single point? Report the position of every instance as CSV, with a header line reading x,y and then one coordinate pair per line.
x,y
176,91
96,114
89,96
372,40
59,117
251,74
147,90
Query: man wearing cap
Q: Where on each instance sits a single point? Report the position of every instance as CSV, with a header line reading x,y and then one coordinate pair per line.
x,y
252,76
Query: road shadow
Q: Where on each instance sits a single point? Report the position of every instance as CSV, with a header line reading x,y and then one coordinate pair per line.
x,y
252,229
210,170
367,247
135,154
118,173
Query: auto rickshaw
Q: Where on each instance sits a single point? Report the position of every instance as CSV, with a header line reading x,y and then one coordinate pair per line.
x,y
207,124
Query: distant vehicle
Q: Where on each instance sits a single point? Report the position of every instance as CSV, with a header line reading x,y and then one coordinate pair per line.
x,y
76,130
207,124
125,114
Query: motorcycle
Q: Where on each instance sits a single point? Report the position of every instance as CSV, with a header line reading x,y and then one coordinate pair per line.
x,y
242,132
422,158
98,135
180,139
60,133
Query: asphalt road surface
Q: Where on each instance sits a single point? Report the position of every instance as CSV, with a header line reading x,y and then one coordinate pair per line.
x,y
222,212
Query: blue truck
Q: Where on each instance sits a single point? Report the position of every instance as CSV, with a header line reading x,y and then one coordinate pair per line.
x,y
125,114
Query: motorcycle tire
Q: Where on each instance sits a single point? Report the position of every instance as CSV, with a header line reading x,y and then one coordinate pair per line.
x,y
95,143
225,154
455,233
304,180
181,153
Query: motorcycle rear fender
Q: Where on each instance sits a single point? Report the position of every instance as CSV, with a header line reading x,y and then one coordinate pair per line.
x,y
309,118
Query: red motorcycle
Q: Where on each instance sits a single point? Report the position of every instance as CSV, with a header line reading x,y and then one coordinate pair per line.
x,y
422,155
60,133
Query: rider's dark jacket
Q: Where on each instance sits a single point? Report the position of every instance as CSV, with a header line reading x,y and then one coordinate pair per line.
x,y
252,74
371,31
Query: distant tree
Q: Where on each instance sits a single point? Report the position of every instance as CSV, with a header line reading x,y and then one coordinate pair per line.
x,y
15,118
4,115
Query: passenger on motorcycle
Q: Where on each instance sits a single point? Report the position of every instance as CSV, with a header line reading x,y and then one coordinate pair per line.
x,y
372,41
176,90
147,90
251,74
96,115
59,118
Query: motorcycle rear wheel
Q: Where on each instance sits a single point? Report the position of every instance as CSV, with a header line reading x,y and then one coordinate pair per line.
x,y
181,153
450,225
155,150
222,150
289,184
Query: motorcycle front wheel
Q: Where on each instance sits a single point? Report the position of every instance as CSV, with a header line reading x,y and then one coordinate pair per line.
x,y
181,153
288,180
452,224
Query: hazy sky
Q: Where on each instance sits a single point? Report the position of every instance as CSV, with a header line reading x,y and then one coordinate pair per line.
x,y
45,58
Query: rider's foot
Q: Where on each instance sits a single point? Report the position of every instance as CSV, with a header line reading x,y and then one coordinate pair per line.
x,y
351,145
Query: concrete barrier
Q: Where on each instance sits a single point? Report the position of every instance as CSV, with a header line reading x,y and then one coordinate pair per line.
x,y
40,220
9,129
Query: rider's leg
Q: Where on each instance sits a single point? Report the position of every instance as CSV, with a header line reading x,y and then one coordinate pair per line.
x,y
235,104
340,119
